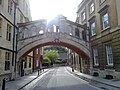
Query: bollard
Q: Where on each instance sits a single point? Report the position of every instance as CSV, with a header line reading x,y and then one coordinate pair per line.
x,y
3,84
38,72
72,70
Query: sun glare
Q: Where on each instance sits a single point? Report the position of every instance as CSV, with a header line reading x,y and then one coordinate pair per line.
x,y
48,9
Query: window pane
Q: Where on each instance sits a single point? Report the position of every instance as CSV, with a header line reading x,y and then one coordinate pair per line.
x,y
10,6
84,37
105,21
109,55
106,17
41,32
33,31
83,17
91,8
95,55
93,28
7,60
77,32
70,31
8,33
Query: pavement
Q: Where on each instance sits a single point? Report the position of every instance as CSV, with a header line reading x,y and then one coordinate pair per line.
x,y
21,82
91,79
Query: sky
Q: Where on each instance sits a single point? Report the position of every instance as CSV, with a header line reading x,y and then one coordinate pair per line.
x,y
48,9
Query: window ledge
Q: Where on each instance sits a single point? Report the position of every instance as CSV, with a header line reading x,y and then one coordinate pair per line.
x,y
96,65
91,17
92,13
104,29
102,2
109,65
93,35
84,21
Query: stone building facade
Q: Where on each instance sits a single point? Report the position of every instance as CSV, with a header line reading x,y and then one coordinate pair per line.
x,y
78,62
103,19
7,23
37,59
25,65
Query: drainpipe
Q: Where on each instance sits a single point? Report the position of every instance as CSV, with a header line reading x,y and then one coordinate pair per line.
x,y
14,42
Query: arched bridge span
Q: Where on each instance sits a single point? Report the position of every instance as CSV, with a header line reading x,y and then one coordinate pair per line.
x,y
59,31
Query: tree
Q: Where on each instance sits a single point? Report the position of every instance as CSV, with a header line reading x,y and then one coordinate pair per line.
x,y
52,55
46,60
60,49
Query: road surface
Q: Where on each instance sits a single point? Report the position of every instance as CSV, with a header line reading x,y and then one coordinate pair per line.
x,y
60,79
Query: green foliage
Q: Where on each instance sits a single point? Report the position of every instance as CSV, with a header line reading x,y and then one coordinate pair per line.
x,y
52,55
46,59
60,49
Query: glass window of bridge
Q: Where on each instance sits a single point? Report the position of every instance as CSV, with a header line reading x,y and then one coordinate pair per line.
x,y
95,56
33,31
25,33
48,30
84,37
70,30
77,32
42,28
41,32
56,28
7,60
21,33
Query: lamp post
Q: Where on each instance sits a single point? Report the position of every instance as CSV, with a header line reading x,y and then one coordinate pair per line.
x,y
14,42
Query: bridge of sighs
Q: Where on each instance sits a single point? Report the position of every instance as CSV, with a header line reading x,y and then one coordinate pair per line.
x,y
59,31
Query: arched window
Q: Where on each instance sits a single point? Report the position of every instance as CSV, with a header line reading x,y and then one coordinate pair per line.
x,y
20,33
50,28
84,35
25,33
77,33
41,32
33,31
42,29
70,30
